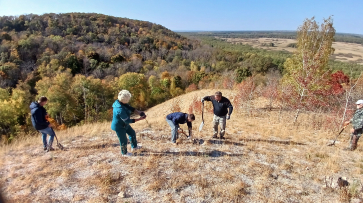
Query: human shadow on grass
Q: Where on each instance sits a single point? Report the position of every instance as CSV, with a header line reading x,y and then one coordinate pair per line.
x,y
97,146
227,142
213,153
285,142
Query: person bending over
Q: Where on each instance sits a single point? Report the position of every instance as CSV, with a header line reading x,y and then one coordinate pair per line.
x,y
174,119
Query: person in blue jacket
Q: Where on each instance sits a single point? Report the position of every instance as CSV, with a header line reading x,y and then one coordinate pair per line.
x,y
121,121
40,123
174,119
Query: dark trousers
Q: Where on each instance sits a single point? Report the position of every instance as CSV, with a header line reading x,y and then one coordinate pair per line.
x,y
121,134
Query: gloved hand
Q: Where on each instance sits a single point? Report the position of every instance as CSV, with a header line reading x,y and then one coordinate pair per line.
x,y
346,123
202,100
228,117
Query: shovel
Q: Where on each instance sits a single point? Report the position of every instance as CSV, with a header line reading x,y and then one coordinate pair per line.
x,y
331,144
182,131
58,144
202,124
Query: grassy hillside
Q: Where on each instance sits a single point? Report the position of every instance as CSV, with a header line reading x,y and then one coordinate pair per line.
x,y
265,158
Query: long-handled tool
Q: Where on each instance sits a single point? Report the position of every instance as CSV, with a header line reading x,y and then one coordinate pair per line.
x,y
182,132
202,124
58,144
142,114
331,144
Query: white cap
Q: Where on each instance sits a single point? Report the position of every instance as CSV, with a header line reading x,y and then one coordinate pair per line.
x,y
359,101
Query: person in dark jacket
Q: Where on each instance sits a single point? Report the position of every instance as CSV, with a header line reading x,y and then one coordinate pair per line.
x,y
121,121
174,119
222,109
40,123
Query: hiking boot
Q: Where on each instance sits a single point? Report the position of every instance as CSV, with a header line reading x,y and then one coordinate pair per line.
x,y
222,138
45,148
136,148
215,137
50,149
128,154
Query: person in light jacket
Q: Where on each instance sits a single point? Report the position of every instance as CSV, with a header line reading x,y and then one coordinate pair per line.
x,y
121,121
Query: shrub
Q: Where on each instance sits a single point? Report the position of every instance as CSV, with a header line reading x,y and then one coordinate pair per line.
x,y
191,88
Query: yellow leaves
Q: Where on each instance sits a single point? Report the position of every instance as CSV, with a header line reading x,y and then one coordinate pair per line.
x,y
55,125
14,54
11,107
4,94
9,66
51,69
193,66
163,63
164,75
48,51
136,57
138,86
62,127
152,81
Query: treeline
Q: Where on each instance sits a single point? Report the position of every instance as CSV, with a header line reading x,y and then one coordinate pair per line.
x,y
278,58
339,37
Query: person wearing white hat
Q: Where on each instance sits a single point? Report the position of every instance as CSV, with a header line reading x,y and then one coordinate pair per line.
x,y
357,126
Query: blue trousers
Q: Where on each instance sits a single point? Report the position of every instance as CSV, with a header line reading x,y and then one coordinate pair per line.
x,y
121,134
47,131
174,130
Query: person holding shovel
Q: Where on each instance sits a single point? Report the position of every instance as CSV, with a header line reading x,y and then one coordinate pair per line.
x,y
40,122
174,119
121,121
357,126
222,109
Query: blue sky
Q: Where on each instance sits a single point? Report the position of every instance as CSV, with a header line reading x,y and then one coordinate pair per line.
x,y
208,14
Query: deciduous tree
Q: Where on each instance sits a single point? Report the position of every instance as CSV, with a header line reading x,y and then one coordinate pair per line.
x,y
307,69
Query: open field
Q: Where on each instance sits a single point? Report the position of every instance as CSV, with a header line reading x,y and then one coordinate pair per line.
x,y
347,52
264,159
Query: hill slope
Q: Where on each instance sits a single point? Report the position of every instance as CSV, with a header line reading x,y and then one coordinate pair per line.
x,y
86,43
263,159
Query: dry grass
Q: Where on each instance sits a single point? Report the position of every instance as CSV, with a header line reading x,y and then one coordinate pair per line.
x,y
264,159
348,52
